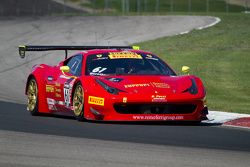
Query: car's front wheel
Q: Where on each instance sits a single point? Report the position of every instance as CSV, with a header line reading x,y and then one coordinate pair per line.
x,y
32,94
78,102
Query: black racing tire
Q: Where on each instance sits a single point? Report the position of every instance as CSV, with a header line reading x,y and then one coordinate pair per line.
x,y
32,95
78,102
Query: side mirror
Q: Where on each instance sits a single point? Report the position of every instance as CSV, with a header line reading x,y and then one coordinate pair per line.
x,y
185,69
65,68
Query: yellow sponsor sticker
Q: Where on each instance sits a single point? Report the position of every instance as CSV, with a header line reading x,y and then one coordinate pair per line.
x,y
124,55
58,90
57,84
96,100
124,99
50,88
58,95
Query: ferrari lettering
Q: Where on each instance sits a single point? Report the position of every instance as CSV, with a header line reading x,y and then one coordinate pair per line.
x,y
124,55
136,85
96,100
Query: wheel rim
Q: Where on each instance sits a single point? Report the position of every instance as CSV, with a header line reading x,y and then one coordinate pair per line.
x,y
32,95
78,100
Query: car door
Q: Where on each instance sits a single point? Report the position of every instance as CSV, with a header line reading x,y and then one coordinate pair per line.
x,y
65,82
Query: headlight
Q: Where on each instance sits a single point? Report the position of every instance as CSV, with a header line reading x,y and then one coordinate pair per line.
x,y
109,89
193,88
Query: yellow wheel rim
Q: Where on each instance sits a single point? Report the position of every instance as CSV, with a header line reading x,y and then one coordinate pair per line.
x,y
78,100
32,95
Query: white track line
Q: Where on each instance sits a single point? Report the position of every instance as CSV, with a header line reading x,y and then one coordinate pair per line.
x,y
217,20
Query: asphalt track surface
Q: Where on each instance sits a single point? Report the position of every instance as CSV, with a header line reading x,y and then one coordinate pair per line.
x,y
63,141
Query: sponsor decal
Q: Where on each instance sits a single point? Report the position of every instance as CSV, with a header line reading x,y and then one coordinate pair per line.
x,y
50,88
97,74
60,102
51,104
124,99
100,58
124,55
160,85
159,98
65,77
137,85
52,107
58,95
50,78
57,84
157,117
153,84
58,90
151,57
96,100
66,92
50,101
115,79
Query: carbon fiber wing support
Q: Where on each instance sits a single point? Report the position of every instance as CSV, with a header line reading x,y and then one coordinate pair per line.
x,y
24,48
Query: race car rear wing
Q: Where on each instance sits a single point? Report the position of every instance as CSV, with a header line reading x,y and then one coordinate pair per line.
x,y
24,48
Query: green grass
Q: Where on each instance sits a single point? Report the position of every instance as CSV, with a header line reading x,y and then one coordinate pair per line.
x,y
220,55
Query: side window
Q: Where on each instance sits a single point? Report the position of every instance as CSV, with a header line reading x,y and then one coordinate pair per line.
x,y
75,65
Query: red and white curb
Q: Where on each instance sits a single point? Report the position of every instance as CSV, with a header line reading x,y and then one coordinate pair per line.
x,y
229,119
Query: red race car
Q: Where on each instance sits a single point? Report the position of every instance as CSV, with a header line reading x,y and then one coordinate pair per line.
x,y
113,83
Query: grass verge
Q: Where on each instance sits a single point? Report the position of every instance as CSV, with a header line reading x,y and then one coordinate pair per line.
x,y
220,55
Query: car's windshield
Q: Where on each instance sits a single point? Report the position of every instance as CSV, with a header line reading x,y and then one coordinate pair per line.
x,y
126,63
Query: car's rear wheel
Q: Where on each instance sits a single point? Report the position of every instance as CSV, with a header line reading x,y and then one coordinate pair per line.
x,y
78,102
32,94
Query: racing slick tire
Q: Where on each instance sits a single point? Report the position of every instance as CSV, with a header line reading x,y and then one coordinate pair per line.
x,y
78,102
32,94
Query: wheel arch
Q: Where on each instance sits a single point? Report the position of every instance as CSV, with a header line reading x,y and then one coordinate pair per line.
x,y
73,89
28,80
42,102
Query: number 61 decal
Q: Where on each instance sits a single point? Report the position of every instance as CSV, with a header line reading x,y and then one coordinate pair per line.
x,y
98,70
